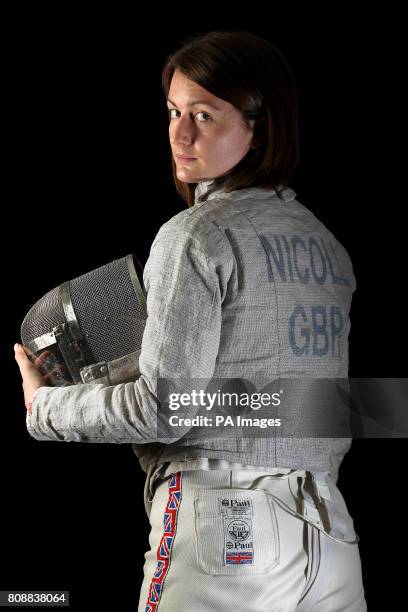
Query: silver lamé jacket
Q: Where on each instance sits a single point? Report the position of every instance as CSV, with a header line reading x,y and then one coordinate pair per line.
x,y
240,285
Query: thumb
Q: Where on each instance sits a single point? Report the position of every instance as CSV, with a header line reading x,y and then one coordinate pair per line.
x,y
21,357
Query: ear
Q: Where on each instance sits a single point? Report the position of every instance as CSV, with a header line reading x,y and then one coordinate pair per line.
x,y
255,141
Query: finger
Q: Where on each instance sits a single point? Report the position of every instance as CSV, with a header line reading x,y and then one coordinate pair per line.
x,y
27,369
45,359
56,375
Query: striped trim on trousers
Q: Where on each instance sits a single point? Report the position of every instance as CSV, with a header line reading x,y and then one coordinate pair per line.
x,y
163,554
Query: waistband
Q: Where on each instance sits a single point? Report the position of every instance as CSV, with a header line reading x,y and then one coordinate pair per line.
x,y
204,463
313,497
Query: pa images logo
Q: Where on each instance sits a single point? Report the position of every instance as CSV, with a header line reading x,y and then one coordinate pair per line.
x,y
239,530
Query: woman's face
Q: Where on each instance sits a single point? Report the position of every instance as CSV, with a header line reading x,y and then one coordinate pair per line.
x,y
211,131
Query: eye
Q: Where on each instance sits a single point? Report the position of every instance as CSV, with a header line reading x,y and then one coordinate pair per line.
x,y
203,113
170,110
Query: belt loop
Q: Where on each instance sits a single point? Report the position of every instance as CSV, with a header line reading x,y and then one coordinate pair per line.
x,y
310,506
337,523
153,475
322,490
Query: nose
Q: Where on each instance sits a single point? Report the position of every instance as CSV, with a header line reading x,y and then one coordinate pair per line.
x,y
182,130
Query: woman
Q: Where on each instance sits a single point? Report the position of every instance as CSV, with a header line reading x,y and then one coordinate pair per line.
x,y
245,284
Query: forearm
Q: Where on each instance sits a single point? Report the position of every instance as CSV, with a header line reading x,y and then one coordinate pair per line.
x,y
123,413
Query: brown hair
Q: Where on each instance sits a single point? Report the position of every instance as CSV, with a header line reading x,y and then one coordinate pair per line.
x,y
251,74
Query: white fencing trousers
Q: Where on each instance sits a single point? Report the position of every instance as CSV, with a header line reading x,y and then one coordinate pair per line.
x,y
220,542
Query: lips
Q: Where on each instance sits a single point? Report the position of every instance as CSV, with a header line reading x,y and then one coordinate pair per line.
x,y
184,157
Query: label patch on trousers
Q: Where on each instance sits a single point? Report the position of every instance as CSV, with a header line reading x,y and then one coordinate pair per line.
x,y
232,507
238,534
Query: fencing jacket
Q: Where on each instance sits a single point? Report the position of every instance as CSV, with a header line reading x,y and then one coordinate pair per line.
x,y
243,284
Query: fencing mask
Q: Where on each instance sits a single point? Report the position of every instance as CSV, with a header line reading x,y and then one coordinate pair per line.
x,y
89,329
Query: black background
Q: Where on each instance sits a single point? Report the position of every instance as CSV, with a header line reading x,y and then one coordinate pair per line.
x,y
88,178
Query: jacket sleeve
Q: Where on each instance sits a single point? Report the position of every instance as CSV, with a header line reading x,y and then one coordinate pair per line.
x,y
181,339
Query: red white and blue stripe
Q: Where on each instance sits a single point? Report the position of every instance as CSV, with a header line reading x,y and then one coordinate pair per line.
x,y
166,543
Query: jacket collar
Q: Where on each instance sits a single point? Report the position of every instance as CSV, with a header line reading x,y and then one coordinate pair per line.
x,y
249,192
